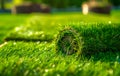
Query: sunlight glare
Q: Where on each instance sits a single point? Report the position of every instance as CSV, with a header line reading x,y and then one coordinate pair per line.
x,y
85,9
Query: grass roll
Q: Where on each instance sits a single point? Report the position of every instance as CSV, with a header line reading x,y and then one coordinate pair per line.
x,y
68,41
89,38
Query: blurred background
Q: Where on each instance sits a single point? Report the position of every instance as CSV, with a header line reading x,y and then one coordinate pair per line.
x,y
47,6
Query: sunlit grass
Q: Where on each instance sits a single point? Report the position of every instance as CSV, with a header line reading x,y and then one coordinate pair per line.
x,y
8,22
46,26
40,58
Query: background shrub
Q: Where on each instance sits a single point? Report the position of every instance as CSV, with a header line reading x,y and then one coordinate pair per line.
x,y
68,3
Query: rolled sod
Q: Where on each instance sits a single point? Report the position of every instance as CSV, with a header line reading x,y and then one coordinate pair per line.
x,y
89,39
68,41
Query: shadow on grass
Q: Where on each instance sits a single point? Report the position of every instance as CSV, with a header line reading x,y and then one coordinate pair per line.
x,y
27,39
109,56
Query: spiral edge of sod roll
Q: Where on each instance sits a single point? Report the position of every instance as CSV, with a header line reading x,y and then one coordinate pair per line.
x,y
68,41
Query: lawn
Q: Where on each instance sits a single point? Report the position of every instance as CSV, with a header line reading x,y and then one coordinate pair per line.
x,y
28,45
8,22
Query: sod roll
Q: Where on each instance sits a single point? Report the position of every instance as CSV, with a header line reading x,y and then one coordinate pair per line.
x,y
68,41
89,39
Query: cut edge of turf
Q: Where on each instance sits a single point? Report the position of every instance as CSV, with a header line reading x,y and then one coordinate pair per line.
x,y
26,39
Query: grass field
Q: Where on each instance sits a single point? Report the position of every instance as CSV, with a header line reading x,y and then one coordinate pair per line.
x,y
28,46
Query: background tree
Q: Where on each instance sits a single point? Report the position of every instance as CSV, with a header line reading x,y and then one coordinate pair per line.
x,y
2,4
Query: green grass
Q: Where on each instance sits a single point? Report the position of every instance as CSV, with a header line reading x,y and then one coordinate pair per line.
x,y
40,58
8,22
44,27
91,38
